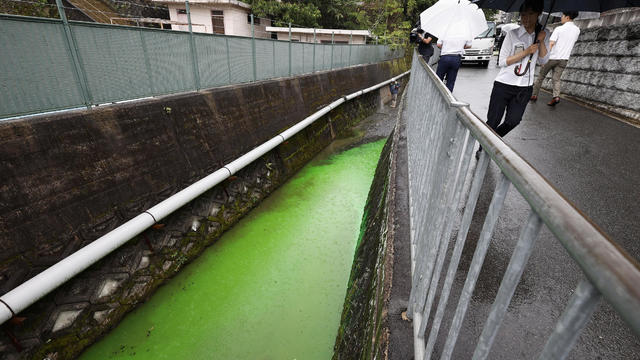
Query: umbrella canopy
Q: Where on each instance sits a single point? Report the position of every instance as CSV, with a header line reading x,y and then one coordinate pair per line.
x,y
453,19
508,27
560,5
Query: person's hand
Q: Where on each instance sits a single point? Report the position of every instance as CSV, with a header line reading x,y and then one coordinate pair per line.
x,y
541,36
532,49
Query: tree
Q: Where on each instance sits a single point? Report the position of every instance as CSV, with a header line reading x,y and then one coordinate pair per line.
x,y
38,8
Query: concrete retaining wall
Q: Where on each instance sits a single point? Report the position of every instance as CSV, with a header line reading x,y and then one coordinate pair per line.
x,y
604,67
363,332
68,179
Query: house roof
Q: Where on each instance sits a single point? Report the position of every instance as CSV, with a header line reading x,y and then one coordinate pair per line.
x,y
207,2
319,31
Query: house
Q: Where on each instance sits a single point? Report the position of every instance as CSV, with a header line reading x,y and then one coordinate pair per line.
x,y
340,36
229,17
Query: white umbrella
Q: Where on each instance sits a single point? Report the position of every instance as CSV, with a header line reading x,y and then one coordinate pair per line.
x,y
508,27
453,19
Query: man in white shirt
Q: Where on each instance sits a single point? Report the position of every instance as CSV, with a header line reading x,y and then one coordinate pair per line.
x,y
521,50
560,46
450,59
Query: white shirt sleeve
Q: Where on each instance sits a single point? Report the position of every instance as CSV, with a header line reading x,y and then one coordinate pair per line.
x,y
556,34
505,50
543,60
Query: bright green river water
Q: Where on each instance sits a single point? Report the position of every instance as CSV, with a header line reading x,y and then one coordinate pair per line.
x,y
272,287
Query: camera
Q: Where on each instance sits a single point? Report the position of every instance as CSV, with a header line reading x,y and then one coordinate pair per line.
x,y
413,35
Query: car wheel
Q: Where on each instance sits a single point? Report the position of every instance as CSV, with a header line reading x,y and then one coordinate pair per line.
x,y
485,64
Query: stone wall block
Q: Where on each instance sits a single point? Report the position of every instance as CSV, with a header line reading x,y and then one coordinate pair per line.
x,y
588,35
107,287
12,273
77,290
62,319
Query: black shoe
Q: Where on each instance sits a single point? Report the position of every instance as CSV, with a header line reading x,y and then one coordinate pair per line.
x,y
554,101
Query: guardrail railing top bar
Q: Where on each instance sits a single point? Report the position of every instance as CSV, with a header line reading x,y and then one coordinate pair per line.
x,y
607,267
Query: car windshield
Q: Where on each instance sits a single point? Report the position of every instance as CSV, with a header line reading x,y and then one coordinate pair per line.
x,y
490,32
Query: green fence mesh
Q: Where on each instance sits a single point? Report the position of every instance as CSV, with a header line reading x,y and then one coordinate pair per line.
x,y
38,71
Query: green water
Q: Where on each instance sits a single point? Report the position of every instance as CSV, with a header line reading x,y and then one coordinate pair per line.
x,y
272,287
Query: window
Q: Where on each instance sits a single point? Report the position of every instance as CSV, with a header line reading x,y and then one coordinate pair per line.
x,y
217,21
256,20
182,12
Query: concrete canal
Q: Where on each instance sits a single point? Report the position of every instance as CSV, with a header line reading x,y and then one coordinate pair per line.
x,y
273,286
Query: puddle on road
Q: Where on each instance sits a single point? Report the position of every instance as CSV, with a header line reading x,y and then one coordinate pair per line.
x,y
273,286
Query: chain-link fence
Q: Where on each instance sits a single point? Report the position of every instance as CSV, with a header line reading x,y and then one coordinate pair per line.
x,y
54,64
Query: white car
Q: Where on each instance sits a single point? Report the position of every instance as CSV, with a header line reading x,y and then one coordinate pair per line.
x,y
481,47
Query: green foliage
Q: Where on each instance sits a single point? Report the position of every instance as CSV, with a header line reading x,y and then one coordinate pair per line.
x,y
39,8
489,13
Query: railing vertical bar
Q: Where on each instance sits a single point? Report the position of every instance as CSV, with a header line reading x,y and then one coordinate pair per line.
x,y
583,303
253,50
147,63
469,209
350,46
476,264
192,46
226,40
75,57
454,198
512,276
332,34
289,49
313,69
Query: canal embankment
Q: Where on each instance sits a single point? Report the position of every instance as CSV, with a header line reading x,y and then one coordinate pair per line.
x,y
75,176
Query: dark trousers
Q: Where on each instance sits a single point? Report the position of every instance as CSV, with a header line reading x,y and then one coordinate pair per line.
x,y
509,98
448,65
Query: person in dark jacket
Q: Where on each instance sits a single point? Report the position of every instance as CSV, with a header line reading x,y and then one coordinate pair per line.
x,y
426,42
393,88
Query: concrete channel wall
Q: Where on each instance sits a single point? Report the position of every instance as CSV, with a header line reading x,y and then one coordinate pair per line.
x,y
604,67
363,332
69,178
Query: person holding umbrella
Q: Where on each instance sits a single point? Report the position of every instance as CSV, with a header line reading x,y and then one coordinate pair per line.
x,y
522,48
450,59
456,23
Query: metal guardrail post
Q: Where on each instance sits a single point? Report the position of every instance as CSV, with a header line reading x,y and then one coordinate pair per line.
x,y
192,43
350,46
313,69
147,63
73,50
332,33
253,50
289,49
226,40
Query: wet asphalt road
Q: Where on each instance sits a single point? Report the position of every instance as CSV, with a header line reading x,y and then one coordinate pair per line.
x,y
594,161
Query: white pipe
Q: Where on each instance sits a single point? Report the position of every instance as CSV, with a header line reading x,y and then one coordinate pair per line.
x,y
37,287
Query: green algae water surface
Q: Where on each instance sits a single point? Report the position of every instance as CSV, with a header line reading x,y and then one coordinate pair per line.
x,y
272,287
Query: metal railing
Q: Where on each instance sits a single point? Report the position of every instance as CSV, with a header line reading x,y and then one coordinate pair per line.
x,y
441,136
56,64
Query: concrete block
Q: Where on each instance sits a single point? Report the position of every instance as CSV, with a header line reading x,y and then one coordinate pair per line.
x,y
144,263
65,316
101,316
